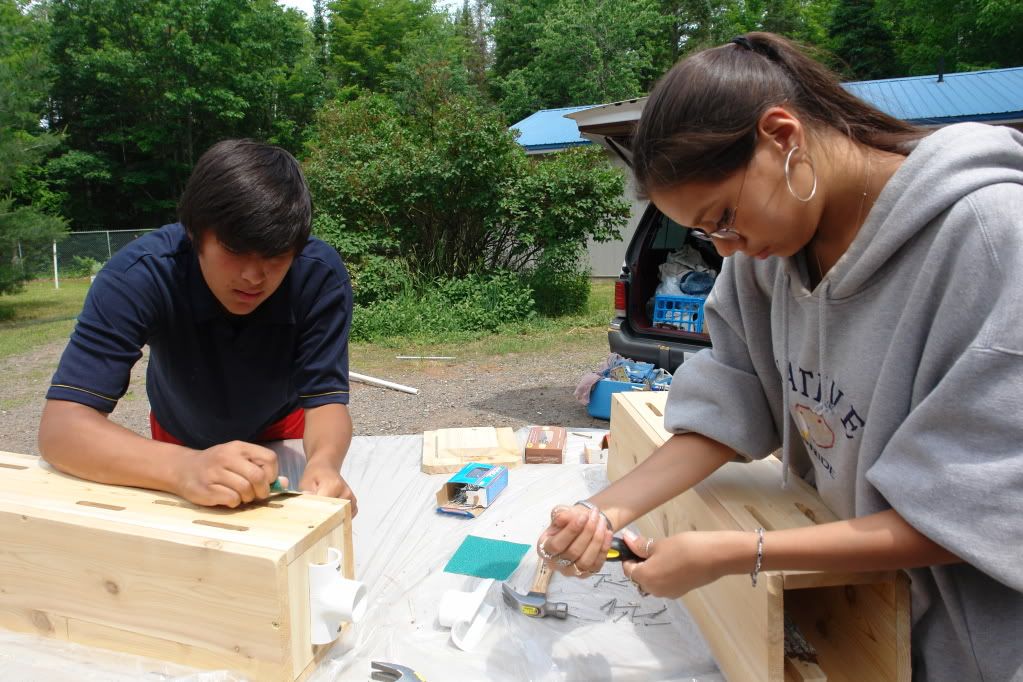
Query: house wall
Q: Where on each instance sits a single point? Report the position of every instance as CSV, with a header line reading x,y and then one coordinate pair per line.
x,y
606,257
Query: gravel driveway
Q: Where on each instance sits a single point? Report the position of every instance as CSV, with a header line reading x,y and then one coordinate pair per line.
x,y
509,390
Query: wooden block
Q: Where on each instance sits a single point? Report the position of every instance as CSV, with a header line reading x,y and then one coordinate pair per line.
x,y
858,622
148,573
446,451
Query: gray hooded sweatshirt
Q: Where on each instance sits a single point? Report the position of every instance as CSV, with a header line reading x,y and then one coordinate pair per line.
x,y
898,384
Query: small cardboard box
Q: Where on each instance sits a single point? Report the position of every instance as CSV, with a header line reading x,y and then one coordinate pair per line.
x,y
470,491
545,445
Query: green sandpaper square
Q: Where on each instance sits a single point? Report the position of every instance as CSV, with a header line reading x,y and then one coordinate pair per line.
x,y
486,558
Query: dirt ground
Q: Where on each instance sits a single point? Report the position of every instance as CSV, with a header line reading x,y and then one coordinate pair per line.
x,y
510,390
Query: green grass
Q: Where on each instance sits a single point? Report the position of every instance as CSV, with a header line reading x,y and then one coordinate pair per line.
x,y
535,336
39,314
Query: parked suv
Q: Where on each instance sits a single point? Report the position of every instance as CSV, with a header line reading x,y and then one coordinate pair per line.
x,y
633,332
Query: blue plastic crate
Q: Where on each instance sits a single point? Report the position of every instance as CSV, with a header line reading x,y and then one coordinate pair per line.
x,y
680,312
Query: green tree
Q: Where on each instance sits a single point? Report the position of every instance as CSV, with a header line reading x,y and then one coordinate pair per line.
x,y
688,24
596,51
472,26
517,24
963,34
23,85
862,42
778,16
450,193
367,38
144,88
434,67
587,51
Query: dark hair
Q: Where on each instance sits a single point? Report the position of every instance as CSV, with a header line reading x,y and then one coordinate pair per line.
x,y
701,118
253,197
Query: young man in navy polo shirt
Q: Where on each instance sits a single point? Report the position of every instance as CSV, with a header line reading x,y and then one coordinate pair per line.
x,y
247,322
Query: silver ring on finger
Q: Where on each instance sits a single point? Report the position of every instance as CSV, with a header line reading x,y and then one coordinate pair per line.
x,y
544,554
565,562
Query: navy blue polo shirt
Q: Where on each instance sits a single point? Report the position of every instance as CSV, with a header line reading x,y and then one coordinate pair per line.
x,y
213,377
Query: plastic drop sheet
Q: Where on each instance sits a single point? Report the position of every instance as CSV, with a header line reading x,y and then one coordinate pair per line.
x,y
401,548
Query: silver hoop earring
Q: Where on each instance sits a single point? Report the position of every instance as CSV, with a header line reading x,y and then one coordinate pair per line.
x,y
788,176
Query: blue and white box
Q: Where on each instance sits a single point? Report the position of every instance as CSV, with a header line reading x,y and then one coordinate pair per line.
x,y
474,488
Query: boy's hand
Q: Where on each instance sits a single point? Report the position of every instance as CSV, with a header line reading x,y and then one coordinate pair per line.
x,y
327,481
230,474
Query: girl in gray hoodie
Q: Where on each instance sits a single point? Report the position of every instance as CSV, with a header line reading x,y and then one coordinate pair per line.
x,y
866,322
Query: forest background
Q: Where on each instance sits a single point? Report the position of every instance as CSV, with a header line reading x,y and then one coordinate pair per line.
x,y
399,111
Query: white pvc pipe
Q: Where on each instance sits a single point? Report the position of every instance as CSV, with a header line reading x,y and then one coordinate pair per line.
x,y
56,279
333,599
373,381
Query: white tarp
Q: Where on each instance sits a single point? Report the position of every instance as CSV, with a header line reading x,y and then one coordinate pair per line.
x,y
401,548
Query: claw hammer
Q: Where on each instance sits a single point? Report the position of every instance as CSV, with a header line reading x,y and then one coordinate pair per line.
x,y
392,672
535,604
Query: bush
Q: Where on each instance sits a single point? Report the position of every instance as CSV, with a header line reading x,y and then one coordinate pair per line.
x,y
449,308
559,292
82,266
450,192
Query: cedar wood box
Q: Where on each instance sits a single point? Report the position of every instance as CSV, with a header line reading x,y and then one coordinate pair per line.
x,y
859,623
148,573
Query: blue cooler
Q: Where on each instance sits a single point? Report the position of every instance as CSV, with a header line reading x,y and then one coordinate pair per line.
x,y
600,397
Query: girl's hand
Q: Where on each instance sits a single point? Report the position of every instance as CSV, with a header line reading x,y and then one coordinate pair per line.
x,y
576,542
677,564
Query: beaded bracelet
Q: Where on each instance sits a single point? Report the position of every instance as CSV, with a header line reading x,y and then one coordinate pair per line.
x,y
590,505
760,556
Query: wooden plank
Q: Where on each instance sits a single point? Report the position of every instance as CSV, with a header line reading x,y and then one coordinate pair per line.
x,y
297,586
446,451
272,524
33,621
803,671
864,617
742,653
147,573
108,637
148,586
852,627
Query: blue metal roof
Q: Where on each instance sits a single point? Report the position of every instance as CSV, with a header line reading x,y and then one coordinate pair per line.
x,y
994,95
548,129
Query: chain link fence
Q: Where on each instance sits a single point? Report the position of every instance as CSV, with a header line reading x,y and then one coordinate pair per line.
x,y
78,254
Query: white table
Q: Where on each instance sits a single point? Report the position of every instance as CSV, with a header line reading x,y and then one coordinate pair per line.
x,y
401,548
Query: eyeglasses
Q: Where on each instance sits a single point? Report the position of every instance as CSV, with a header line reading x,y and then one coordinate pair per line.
x,y
726,226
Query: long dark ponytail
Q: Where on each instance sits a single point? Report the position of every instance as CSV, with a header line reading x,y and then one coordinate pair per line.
x,y
701,118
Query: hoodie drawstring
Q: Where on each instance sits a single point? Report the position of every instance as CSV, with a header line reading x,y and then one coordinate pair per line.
x,y
786,414
823,405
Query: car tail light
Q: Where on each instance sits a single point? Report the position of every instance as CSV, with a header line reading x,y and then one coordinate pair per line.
x,y
620,298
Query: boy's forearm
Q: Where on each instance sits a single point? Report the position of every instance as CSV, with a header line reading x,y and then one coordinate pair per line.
x,y
80,441
682,462
328,435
